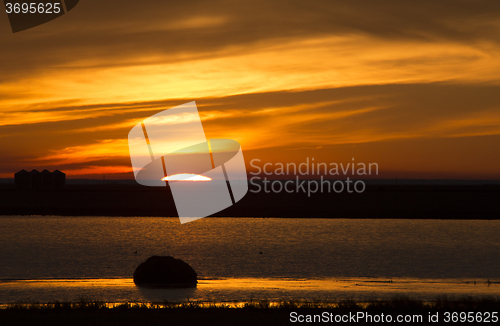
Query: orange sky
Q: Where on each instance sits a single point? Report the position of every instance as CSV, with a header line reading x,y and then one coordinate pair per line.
x,y
413,87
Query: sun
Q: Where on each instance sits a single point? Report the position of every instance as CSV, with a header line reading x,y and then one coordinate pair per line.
x,y
186,177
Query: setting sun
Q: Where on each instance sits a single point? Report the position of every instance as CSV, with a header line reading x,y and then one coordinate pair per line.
x,y
186,177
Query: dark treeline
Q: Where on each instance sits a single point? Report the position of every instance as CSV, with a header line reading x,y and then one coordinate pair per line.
x,y
377,201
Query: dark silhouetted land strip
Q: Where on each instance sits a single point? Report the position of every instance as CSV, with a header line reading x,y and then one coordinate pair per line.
x,y
254,313
378,201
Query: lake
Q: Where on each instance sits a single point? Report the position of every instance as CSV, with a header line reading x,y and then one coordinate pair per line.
x,y
67,258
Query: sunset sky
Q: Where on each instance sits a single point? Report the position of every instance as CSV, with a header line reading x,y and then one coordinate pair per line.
x,y
411,85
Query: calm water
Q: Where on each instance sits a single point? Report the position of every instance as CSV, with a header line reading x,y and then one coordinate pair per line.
x,y
65,258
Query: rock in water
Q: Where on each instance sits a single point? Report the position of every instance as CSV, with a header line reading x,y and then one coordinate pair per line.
x,y
165,271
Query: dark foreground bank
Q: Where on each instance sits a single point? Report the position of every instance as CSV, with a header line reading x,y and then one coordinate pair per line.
x,y
394,311
377,201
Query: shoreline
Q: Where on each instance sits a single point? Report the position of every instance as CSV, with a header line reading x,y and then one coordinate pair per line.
x,y
254,303
245,289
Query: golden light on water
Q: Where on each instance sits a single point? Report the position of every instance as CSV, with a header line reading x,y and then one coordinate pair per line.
x,y
186,177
